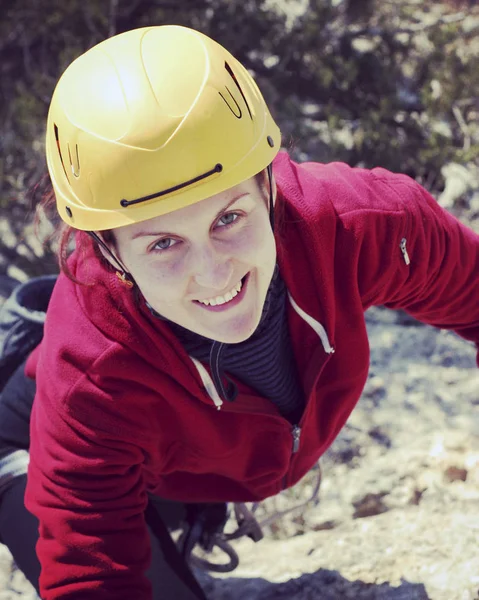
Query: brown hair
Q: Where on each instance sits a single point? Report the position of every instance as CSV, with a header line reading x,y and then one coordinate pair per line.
x,y
63,235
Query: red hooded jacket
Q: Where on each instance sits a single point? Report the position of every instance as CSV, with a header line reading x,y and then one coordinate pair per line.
x,y
121,409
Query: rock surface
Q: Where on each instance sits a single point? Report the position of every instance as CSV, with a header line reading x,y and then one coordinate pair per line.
x,y
398,515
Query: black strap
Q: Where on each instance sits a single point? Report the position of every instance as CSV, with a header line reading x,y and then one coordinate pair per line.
x,y
170,552
269,168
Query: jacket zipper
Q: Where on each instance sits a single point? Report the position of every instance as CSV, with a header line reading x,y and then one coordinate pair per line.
x,y
404,251
296,435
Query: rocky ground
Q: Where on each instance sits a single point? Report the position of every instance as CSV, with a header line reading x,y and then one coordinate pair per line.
x,y
398,513
398,516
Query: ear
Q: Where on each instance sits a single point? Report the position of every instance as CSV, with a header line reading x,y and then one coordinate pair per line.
x,y
263,182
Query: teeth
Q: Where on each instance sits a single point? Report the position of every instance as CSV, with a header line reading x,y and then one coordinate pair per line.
x,y
223,299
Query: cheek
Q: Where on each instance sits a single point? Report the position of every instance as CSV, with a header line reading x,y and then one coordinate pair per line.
x,y
255,244
160,282
263,249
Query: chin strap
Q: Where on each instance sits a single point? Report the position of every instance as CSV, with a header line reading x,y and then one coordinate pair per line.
x,y
122,273
269,168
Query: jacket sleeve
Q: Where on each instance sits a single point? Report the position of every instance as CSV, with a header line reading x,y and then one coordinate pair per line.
x,y
86,489
414,255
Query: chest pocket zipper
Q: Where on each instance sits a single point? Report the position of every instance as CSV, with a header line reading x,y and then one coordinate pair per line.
x,y
404,251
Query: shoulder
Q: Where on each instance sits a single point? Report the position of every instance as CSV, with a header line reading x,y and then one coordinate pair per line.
x,y
313,188
114,393
88,373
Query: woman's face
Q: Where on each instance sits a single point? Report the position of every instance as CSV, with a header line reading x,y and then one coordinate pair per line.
x,y
206,267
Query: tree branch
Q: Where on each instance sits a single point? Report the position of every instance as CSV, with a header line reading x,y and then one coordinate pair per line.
x,y
411,29
463,126
93,29
112,17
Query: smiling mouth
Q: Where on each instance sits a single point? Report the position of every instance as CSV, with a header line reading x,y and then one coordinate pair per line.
x,y
228,298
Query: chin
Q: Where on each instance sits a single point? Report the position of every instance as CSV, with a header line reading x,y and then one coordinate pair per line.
x,y
232,339
235,335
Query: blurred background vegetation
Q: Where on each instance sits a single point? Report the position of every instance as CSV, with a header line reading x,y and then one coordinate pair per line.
x,y
392,83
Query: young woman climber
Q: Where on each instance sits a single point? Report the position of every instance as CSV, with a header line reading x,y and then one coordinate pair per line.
x,y
206,340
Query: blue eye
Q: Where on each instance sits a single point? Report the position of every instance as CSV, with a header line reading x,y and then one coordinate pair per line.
x,y
229,218
164,244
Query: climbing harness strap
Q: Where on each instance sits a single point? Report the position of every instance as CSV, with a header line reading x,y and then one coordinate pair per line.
x,y
247,525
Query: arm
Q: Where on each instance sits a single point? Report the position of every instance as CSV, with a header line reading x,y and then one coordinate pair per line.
x,y
440,285
85,487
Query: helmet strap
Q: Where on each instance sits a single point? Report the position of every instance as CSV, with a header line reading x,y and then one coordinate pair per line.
x,y
122,274
269,168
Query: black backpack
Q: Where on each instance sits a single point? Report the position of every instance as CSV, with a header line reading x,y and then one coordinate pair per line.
x,y
22,316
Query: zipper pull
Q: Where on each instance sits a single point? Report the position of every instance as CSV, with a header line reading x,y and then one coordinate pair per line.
x,y
296,433
404,251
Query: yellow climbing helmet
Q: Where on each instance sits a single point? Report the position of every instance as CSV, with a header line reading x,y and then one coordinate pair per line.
x,y
150,121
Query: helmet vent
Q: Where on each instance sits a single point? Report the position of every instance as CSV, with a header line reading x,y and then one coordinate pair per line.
x,y
233,77
57,138
238,114
74,165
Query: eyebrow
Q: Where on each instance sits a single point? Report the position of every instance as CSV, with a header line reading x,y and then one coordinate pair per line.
x,y
163,233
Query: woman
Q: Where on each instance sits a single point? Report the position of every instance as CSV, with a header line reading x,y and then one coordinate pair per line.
x,y
206,341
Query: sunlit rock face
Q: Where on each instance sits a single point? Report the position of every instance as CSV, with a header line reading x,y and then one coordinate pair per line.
x,y
397,517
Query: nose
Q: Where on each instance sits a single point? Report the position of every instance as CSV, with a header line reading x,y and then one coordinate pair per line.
x,y
211,269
